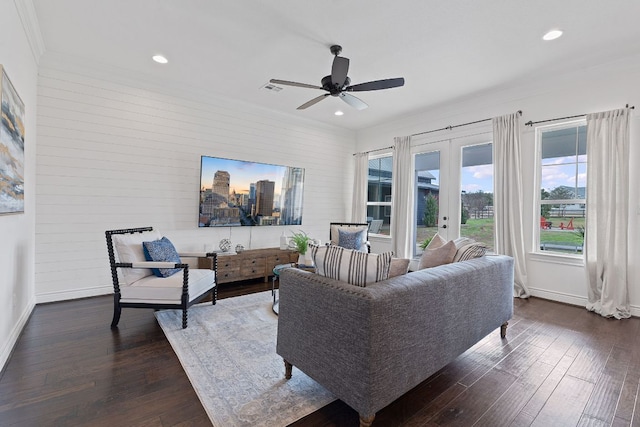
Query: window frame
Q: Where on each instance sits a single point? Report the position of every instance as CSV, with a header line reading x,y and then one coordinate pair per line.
x,y
537,251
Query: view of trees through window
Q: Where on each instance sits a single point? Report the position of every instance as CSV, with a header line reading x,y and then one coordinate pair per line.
x,y
563,178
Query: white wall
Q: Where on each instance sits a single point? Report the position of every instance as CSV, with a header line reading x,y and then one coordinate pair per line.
x,y
607,86
118,152
17,230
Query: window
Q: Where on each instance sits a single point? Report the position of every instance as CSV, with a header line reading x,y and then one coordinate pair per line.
x,y
563,178
379,194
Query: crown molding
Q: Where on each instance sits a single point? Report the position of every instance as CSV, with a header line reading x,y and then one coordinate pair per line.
x,y
29,19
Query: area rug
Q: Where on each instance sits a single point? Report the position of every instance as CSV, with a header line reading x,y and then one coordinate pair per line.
x,y
229,354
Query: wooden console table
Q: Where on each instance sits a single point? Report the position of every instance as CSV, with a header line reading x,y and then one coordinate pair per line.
x,y
249,264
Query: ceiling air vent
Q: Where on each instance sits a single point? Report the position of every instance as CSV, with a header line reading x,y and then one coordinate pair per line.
x,y
272,87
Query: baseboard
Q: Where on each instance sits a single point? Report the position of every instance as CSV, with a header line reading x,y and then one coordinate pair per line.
x,y
73,294
571,299
15,334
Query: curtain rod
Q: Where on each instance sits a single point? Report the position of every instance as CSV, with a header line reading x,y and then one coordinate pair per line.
x,y
531,123
450,127
377,149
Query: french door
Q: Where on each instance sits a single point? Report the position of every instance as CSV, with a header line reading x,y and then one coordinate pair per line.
x,y
453,189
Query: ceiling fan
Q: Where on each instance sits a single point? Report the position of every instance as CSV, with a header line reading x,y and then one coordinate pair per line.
x,y
338,84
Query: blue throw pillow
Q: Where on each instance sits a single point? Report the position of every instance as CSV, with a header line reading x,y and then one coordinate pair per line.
x,y
163,251
351,239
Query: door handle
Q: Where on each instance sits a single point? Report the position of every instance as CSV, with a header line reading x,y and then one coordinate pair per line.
x,y
444,226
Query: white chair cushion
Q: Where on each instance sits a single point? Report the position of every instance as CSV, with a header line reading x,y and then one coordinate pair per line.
x,y
159,290
128,248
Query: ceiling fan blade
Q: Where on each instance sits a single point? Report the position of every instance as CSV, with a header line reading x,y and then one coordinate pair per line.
x,y
312,102
353,101
339,71
296,84
377,85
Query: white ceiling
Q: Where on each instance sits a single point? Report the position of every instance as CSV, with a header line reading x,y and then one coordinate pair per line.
x,y
444,49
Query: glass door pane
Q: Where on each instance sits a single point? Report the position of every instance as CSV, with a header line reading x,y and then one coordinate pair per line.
x,y
476,210
379,195
428,199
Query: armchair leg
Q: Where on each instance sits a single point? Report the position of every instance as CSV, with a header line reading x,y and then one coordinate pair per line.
x,y
288,367
214,295
116,312
184,318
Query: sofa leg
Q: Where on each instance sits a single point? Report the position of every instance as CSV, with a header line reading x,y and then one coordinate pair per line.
x,y
184,318
288,367
366,421
214,295
503,330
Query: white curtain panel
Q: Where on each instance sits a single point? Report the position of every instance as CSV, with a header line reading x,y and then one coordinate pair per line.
x,y
606,237
509,235
359,208
402,198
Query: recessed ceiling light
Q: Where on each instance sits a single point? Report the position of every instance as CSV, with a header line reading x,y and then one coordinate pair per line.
x,y
160,59
552,35
338,113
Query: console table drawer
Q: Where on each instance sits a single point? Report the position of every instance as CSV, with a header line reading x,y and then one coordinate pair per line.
x,y
228,262
227,275
284,258
253,263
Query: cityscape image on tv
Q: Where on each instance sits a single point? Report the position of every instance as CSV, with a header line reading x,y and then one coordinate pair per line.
x,y
242,193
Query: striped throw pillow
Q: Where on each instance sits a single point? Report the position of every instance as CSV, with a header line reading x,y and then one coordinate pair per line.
x,y
470,251
354,267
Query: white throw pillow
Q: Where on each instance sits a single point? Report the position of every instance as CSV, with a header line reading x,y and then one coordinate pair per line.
x,y
128,248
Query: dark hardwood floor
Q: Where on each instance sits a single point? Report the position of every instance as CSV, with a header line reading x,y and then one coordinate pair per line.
x,y
559,366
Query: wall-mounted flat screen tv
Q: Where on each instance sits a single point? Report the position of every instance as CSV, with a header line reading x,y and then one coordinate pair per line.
x,y
237,192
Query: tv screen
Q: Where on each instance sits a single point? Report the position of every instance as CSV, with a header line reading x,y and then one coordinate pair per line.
x,y
237,192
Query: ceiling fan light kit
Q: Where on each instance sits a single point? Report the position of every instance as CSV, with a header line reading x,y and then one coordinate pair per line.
x,y
338,83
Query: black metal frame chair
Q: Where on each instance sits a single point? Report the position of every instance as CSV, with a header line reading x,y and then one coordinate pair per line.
x,y
351,224
184,303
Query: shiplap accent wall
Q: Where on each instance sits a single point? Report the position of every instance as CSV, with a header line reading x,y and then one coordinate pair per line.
x,y
113,154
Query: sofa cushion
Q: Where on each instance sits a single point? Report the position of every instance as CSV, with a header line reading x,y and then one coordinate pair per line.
x,y
470,251
438,256
162,251
354,267
398,267
128,249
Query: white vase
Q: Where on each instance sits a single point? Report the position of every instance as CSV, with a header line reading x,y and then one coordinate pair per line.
x,y
301,259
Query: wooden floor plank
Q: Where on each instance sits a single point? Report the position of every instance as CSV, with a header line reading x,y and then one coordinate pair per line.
x,y
608,388
566,404
508,406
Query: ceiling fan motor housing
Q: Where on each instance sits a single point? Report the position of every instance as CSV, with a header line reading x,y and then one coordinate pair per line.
x,y
334,89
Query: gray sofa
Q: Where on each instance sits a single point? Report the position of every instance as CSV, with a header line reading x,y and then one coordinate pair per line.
x,y
369,346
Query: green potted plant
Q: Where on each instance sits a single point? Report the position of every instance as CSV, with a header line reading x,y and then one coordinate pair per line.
x,y
300,242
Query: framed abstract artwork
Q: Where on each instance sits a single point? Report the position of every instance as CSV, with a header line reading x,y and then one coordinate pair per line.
x,y
11,148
